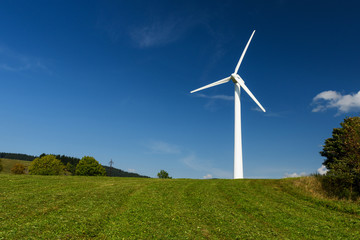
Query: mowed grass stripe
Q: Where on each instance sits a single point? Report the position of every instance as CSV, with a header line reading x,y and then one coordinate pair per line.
x,y
75,207
269,200
48,207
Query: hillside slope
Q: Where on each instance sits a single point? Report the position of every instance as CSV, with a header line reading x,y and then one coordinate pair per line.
x,y
8,164
43,207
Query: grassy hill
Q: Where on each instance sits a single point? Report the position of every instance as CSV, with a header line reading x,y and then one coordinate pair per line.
x,y
8,164
60,207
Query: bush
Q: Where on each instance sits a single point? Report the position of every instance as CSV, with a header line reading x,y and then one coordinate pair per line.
x,y
46,165
339,185
163,174
88,166
342,152
18,168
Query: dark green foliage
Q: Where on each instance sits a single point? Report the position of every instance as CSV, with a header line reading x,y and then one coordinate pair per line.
x,y
120,173
342,152
18,168
163,174
70,168
88,166
46,165
17,156
341,186
65,159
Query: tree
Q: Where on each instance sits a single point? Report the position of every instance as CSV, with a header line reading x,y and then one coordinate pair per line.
x,y
163,174
18,168
345,143
46,165
70,168
88,166
342,153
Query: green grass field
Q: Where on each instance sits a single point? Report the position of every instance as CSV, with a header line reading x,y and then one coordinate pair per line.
x,y
70,207
8,164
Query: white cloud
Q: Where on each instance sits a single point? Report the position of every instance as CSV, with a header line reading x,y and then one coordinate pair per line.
x,y
207,176
160,147
332,99
322,170
131,170
292,175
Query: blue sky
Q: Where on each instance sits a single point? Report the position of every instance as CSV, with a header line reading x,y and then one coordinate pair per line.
x,y
112,79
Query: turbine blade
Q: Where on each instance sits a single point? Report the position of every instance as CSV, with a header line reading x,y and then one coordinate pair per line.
x,y
243,53
242,84
225,80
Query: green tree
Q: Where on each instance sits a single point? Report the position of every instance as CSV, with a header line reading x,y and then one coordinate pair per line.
x,y
342,153
88,166
70,168
46,165
18,168
163,174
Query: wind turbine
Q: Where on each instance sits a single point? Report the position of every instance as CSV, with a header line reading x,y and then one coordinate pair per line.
x,y
239,83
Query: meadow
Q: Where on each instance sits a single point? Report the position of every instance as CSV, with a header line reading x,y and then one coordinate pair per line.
x,y
74,207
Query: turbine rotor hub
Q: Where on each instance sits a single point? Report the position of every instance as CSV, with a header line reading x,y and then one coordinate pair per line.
x,y
233,78
236,78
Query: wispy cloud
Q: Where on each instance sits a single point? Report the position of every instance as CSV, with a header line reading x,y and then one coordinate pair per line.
x,y
163,31
156,33
212,105
13,61
322,170
268,113
161,147
216,97
192,162
332,99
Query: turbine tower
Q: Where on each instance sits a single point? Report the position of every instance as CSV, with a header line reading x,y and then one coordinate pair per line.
x,y
239,83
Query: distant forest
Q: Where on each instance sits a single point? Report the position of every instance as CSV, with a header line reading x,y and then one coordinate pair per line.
x,y
17,156
110,171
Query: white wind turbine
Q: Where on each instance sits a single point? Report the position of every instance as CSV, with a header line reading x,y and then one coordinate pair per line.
x,y
238,82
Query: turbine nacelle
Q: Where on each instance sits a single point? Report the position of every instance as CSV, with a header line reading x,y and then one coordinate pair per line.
x,y
237,79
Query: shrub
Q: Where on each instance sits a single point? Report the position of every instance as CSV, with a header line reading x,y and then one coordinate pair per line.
x,y
46,165
163,174
88,166
18,168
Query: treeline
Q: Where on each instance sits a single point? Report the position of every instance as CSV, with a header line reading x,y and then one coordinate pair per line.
x,y
70,161
64,159
114,172
17,156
